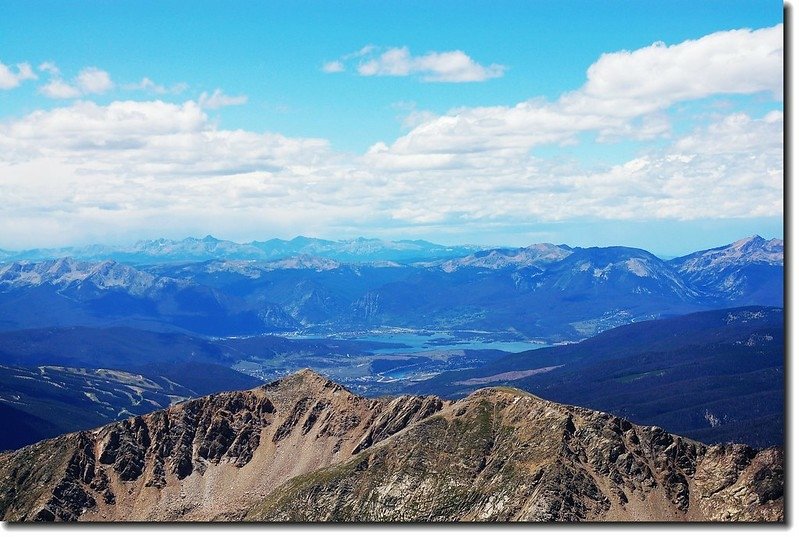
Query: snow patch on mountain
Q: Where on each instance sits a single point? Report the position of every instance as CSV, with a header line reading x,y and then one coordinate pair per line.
x,y
602,273
744,316
638,267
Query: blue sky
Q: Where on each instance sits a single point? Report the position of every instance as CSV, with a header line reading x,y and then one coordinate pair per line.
x,y
475,122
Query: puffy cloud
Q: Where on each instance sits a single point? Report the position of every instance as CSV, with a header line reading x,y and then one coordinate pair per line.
x,y
731,168
625,94
333,67
50,68
87,124
219,100
144,167
155,139
90,80
140,165
653,78
411,116
94,80
363,51
449,66
58,89
10,79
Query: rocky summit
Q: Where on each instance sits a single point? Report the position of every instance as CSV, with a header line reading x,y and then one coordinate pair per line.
x,y
306,449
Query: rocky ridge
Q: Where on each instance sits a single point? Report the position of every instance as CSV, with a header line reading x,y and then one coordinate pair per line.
x,y
304,448
504,455
202,459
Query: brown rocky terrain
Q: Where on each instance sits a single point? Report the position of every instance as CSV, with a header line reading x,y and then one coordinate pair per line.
x,y
306,449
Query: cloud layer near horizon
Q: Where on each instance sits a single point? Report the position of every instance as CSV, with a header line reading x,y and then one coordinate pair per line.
x,y
152,165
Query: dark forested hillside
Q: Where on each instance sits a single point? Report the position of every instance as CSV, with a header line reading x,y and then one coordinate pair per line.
x,y
715,376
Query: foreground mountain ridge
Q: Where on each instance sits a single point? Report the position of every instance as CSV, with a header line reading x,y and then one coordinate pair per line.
x,y
304,448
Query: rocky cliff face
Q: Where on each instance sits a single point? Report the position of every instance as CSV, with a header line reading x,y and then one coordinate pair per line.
x,y
306,449
503,454
203,459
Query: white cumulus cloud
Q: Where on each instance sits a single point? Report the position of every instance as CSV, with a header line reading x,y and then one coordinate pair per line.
x,y
448,66
10,79
58,89
149,166
218,99
652,78
50,68
154,165
94,80
333,67
625,95
136,165
89,80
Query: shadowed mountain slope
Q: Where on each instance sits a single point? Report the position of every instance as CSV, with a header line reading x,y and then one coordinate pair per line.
x,y
715,376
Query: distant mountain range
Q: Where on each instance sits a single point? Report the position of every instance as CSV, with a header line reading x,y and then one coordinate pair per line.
x,y
548,292
207,248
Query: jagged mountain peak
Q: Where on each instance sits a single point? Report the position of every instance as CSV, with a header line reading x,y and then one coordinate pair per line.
x,y
753,240
757,248
360,249
549,248
202,458
306,379
742,272
304,449
302,239
754,249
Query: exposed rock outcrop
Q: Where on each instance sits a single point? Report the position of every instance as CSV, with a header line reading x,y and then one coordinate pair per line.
x,y
504,455
199,459
304,448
